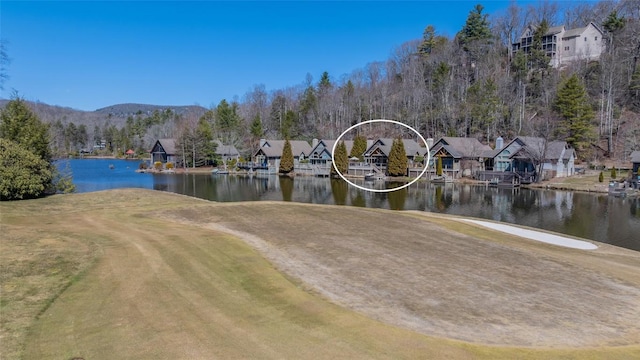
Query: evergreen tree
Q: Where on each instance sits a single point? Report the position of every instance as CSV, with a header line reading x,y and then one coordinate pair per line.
x,y
572,103
19,124
614,23
256,127
475,30
614,174
26,165
227,121
256,132
359,147
601,177
397,165
204,136
325,84
341,159
286,160
439,166
428,41
23,174
538,59
289,126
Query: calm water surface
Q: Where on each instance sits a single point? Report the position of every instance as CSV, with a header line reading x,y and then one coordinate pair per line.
x,y
598,217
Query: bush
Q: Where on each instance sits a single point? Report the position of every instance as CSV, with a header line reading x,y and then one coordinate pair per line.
x,y
601,177
157,165
613,173
23,174
143,165
169,166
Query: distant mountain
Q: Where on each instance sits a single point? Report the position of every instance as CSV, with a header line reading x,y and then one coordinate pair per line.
x,y
135,109
114,114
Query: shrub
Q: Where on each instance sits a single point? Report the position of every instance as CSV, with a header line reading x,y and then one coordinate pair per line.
x,y
143,165
613,173
23,174
157,165
169,166
601,177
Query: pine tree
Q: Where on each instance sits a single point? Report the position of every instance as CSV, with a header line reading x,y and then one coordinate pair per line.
x,y
359,147
601,177
572,103
397,165
538,58
428,41
614,174
19,124
286,160
341,159
256,132
439,166
475,30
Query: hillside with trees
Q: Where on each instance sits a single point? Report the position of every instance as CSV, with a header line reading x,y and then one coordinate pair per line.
x,y
473,84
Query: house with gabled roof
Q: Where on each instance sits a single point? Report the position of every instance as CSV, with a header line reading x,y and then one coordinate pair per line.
x,y
563,46
321,151
533,158
270,151
460,156
226,152
164,151
378,153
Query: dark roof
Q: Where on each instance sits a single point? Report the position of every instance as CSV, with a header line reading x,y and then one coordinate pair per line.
x,y
535,146
226,150
462,147
328,145
273,148
169,145
411,147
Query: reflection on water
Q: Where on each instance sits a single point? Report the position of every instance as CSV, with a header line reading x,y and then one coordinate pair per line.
x,y
598,217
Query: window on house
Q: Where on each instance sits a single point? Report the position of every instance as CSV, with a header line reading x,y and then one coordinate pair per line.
x,y
596,38
566,48
585,38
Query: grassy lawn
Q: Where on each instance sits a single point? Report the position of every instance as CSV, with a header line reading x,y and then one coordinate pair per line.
x,y
142,274
585,182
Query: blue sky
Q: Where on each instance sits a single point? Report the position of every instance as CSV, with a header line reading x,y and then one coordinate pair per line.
x,y
90,54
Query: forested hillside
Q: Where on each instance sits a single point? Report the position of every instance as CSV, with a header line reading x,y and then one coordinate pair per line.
x,y
473,84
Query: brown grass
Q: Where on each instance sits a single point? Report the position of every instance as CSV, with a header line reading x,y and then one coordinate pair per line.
x,y
154,275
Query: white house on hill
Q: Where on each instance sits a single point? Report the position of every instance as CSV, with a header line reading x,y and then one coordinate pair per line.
x,y
565,46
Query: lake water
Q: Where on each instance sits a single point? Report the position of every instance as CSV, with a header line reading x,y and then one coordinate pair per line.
x,y
591,216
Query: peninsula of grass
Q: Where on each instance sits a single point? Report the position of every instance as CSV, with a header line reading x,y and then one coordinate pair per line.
x,y
126,274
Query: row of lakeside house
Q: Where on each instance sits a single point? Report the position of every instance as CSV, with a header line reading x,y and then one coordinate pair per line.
x,y
529,157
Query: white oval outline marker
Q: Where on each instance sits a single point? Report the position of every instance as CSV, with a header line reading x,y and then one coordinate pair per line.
x,y
333,150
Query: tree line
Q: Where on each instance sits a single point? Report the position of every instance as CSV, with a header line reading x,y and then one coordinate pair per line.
x,y
472,84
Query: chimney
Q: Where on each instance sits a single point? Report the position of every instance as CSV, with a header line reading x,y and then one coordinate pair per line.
x,y
262,142
314,143
499,143
429,142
